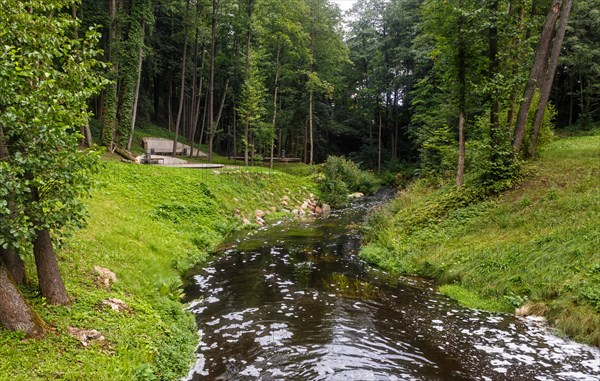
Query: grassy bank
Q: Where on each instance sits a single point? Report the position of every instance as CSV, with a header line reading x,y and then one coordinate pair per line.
x,y
536,246
147,225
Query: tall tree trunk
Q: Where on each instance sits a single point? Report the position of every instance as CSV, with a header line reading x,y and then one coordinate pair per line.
x,y
539,64
379,145
11,259
495,134
214,127
197,114
211,83
15,313
462,103
182,84
136,95
246,77
204,120
548,79
170,104
234,133
275,104
572,100
193,120
306,141
310,127
88,134
14,265
109,115
519,55
46,262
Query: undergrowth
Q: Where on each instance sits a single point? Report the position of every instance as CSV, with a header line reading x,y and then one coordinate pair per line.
x,y
148,224
534,245
338,177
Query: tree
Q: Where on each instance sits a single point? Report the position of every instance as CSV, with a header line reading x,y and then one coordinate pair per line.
x,y
547,76
183,69
577,94
537,72
252,104
47,75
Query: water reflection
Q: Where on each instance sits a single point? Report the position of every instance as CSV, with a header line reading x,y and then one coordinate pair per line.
x,y
294,303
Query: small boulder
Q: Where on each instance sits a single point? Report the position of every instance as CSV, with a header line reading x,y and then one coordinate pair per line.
x,y
259,214
304,205
86,336
356,195
318,211
326,209
115,304
284,203
105,278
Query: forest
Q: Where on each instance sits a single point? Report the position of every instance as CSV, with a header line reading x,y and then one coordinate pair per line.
x,y
462,91
398,82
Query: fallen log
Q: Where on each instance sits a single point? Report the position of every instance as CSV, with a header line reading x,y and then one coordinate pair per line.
x,y
124,153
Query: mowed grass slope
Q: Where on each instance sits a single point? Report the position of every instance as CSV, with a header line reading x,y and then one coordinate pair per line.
x,y
148,224
537,245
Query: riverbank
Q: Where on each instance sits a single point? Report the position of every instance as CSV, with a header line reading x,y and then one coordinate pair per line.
x,y
534,247
147,225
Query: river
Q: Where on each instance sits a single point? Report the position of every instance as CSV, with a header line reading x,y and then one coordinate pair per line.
x,y
292,301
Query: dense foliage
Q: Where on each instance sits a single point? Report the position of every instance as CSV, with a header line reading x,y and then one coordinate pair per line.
x,y
533,246
339,177
456,89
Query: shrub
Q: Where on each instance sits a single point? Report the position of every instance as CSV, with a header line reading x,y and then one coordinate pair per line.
x,y
339,176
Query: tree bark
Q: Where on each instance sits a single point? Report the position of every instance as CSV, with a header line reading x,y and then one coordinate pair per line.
x,y
211,82
46,262
495,135
246,77
539,64
170,104
305,152
12,260
15,313
215,125
275,92
519,55
88,134
182,90
460,170
109,116
197,114
204,116
379,145
310,128
546,86
234,133
193,115
136,94
14,265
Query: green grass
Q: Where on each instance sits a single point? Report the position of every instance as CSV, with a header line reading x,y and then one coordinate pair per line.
x,y
148,224
537,244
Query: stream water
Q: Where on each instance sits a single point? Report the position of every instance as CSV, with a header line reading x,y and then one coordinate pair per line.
x,y
294,302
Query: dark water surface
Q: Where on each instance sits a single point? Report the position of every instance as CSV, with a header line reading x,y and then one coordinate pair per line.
x,y
294,302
